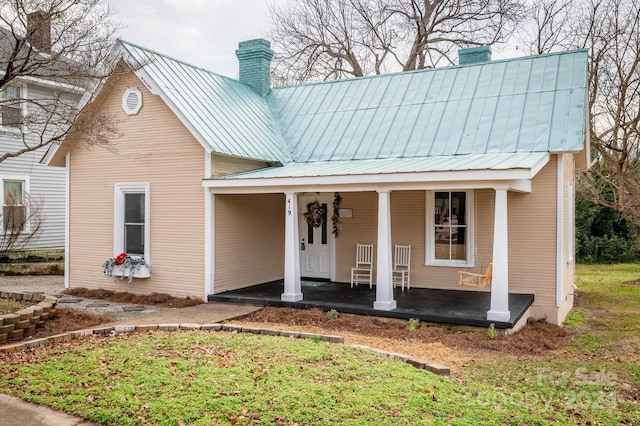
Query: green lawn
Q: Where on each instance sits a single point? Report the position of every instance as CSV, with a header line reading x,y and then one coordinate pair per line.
x,y
220,378
596,378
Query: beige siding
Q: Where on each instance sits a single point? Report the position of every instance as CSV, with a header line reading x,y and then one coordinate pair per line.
x,y
154,147
249,240
362,228
532,241
224,165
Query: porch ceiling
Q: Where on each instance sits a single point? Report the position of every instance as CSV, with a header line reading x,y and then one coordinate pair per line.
x,y
510,170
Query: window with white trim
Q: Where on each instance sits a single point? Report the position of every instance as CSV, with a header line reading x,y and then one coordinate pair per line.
x,y
131,224
11,97
14,211
449,225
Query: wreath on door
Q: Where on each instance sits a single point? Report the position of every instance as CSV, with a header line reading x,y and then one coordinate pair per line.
x,y
316,214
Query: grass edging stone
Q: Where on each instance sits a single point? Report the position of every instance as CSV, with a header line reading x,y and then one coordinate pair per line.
x,y
23,323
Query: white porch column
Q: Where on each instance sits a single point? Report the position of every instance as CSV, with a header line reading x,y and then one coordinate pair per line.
x,y
209,242
292,289
384,283
499,310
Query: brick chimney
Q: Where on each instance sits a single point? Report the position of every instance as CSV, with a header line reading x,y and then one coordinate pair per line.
x,y
254,58
474,55
39,27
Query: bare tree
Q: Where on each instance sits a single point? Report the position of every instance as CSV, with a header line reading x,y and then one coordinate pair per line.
x,y
610,29
330,39
547,27
61,47
22,219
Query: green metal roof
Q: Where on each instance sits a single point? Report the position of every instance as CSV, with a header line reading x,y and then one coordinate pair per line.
x,y
226,116
472,162
532,104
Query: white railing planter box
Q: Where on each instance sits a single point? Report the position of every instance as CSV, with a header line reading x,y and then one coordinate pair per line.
x,y
125,266
142,271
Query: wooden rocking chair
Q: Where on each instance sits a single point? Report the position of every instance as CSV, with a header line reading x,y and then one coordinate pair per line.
x,y
471,279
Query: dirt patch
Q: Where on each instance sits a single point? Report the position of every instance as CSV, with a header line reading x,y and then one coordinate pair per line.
x,y
535,338
153,299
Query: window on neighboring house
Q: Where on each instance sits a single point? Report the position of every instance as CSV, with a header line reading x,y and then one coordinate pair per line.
x,y
449,228
131,233
14,215
12,106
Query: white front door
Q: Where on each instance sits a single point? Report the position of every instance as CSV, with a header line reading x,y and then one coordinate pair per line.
x,y
315,242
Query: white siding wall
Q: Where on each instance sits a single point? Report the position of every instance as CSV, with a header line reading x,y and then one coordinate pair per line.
x,y
46,183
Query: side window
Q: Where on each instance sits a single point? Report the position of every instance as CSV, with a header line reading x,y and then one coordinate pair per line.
x,y
134,223
449,230
12,106
14,213
131,219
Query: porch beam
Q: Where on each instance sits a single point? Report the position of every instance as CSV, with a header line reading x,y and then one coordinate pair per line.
x,y
384,283
292,288
515,185
499,310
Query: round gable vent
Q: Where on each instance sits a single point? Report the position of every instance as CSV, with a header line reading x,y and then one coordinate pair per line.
x,y
132,101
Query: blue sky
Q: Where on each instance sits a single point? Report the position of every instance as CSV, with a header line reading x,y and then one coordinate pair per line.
x,y
205,33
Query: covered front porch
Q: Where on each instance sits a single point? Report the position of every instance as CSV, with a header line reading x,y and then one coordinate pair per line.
x,y
431,305
384,209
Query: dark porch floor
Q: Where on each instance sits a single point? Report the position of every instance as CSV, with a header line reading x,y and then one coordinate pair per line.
x,y
431,305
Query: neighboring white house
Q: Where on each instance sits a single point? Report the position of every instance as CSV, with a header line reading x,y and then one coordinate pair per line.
x,y
24,180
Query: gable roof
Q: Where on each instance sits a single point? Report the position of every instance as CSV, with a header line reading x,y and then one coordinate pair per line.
x,y
535,104
531,104
225,115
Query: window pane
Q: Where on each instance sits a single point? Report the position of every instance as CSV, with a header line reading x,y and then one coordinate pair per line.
x,y
13,192
450,229
442,250
134,239
441,207
13,219
310,233
12,92
11,110
459,250
134,208
134,224
458,208
11,116
324,223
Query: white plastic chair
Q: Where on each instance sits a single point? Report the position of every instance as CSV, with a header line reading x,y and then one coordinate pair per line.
x,y
402,266
362,273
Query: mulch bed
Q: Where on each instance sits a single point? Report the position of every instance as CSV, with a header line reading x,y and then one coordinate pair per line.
x,y
153,299
65,320
536,337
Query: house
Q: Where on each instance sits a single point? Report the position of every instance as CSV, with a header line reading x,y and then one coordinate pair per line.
x,y
32,193
212,177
